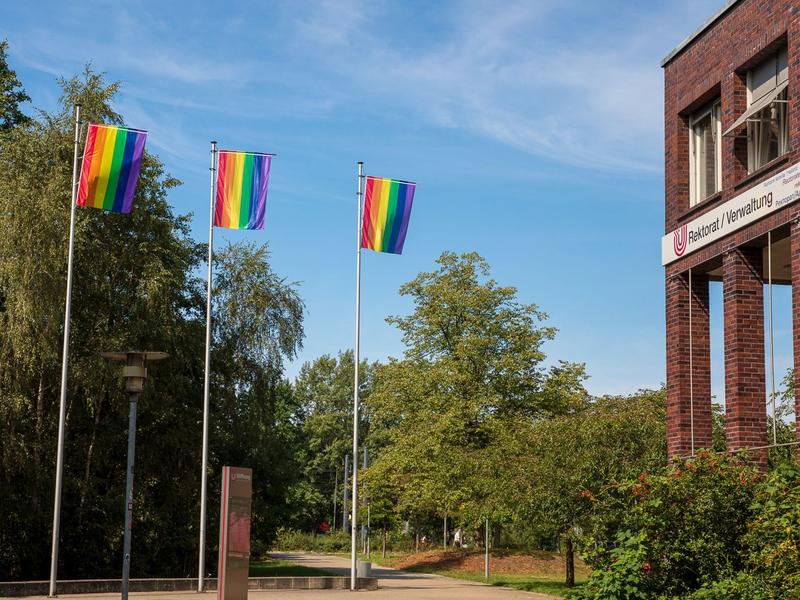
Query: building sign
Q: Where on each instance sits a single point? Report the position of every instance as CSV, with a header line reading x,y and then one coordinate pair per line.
x,y
754,204
234,533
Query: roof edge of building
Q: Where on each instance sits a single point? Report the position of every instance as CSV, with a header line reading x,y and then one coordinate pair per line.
x,y
710,21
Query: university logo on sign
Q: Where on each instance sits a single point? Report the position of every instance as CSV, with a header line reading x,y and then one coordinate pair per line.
x,y
679,240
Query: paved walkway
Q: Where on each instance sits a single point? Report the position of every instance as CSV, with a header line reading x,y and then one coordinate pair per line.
x,y
395,584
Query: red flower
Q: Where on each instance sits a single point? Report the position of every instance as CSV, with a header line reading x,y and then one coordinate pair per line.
x,y
646,567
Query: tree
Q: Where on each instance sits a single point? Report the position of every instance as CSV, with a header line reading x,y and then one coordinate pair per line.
x,y
773,535
558,466
257,325
12,94
258,316
324,392
472,371
681,531
135,286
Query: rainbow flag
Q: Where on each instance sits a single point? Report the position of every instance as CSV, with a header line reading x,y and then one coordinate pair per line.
x,y
242,179
387,208
110,168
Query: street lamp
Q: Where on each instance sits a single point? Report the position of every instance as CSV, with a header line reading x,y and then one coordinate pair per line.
x,y
135,373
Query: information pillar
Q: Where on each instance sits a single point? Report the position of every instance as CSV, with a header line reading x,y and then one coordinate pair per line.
x,y
234,533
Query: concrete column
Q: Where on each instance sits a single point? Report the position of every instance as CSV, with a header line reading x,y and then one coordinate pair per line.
x,y
745,391
688,385
795,271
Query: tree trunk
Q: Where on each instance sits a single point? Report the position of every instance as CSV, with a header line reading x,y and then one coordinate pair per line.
x,y
445,531
87,469
570,560
37,450
383,549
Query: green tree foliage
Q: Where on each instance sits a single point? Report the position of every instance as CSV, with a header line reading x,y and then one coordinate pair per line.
x,y
134,288
708,529
773,538
784,425
257,324
556,467
258,318
472,371
324,392
12,94
680,531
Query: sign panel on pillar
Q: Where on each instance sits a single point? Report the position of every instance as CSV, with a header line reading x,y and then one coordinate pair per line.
x,y
234,533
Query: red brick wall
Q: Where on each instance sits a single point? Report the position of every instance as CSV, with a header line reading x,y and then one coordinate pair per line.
x,y
684,416
714,65
745,389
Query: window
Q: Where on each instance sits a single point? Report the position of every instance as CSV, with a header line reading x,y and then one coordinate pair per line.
x,y
766,115
705,172
767,127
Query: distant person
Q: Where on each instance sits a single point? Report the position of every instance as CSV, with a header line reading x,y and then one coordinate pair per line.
x,y
324,527
458,538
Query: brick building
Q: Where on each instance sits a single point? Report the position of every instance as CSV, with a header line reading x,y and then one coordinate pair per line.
x,y
732,160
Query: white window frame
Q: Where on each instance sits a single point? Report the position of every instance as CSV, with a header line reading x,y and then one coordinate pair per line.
x,y
696,195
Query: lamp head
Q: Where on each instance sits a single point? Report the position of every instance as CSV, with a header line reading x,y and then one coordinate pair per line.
x,y
135,370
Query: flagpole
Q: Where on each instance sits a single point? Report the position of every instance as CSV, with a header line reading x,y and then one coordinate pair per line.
x,y
62,407
206,392
356,358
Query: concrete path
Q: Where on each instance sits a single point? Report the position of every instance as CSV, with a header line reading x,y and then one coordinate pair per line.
x,y
395,585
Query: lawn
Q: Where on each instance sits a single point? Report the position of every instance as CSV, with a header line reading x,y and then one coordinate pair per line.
x,y
545,584
267,567
537,572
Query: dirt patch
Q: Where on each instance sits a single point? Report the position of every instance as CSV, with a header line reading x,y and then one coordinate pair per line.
x,y
499,562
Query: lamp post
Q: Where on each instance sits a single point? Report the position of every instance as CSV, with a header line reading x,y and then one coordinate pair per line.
x,y
135,373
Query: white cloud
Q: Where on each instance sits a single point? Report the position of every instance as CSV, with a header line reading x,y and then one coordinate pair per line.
x,y
533,76
508,75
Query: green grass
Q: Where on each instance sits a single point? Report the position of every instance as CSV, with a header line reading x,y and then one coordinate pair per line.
x,y
268,567
544,584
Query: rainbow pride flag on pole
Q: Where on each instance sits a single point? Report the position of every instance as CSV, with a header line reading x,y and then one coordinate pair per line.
x,y
387,209
242,179
110,168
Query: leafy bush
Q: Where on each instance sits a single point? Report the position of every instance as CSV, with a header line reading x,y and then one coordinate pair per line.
x,y
679,531
741,587
774,536
291,539
625,578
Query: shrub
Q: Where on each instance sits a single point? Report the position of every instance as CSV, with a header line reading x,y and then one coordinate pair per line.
x,y
680,530
625,578
741,587
291,539
774,532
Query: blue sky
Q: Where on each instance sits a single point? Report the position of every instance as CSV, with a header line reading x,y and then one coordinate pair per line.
x,y
534,131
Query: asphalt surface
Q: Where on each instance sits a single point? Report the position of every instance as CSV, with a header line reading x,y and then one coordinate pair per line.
x,y
394,585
